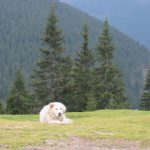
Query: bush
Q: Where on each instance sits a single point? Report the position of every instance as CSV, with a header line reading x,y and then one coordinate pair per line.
x,y
91,104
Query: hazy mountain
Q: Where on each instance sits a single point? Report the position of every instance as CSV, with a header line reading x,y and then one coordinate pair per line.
x,y
129,16
22,24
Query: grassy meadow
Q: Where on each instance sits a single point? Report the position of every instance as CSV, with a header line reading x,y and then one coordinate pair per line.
x,y
18,131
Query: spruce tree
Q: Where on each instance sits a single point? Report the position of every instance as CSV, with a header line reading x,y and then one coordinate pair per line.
x,y
50,75
145,99
1,108
109,84
91,103
82,74
18,99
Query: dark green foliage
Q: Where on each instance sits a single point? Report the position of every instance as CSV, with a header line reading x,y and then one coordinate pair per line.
x,y
109,79
18,99
145,99
82,74
22,23
105,47
1,108
91,104
51,74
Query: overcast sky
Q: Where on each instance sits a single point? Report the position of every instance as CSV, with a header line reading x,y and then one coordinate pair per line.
x,y
137,1
129,16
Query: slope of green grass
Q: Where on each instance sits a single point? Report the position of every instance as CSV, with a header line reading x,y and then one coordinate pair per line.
x,y
22,130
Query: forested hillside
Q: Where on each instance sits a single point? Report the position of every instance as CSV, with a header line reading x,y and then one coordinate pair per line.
x,y
122,14
22,24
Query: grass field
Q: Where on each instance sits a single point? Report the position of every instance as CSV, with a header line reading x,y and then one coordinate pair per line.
x,y
22,130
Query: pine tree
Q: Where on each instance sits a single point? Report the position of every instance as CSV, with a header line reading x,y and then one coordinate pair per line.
x,y
110,87
82,75
145,99
91,103
18,100
1,108
50,76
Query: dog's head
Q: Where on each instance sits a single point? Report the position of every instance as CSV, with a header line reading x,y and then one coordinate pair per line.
x,y
57,109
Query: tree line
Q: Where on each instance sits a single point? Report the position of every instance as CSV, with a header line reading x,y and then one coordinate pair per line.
x,y
22,24
89,82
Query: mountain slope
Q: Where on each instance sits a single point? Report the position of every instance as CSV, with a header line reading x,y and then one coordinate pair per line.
x,y
22,24
129,16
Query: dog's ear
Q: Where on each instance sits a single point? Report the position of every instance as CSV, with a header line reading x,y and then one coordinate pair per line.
x,y
64,108
51,105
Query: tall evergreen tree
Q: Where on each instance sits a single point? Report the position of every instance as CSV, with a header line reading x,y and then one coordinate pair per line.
x,y
145,99
110,87
1,108
18,100
50,76
82,74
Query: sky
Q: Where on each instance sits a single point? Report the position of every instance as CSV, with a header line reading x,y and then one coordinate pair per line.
x,y
129,16
143,2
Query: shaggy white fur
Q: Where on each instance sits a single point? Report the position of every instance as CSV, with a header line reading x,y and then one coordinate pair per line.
x,y
54,113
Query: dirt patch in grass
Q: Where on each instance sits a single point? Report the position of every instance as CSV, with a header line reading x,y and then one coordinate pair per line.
x,y
76,143
4,147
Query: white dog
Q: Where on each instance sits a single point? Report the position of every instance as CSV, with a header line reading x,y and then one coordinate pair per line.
x,y
54,113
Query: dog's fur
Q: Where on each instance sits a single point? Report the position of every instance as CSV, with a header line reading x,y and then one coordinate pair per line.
x,y
54,113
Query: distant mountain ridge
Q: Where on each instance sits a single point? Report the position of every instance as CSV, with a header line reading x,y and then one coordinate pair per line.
x,y
130,16
22,24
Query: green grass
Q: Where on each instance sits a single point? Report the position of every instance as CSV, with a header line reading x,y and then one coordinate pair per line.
x,y
21,130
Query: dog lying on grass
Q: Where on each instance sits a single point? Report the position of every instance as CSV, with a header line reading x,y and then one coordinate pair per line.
x,y
54,113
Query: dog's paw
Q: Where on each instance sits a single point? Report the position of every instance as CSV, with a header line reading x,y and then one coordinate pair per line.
x,y
68,121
